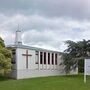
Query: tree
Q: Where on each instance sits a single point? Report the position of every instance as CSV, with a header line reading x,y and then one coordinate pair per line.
x,y
75,52
5,58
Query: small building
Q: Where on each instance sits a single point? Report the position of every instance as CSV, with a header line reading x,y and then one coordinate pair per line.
x,y
30,61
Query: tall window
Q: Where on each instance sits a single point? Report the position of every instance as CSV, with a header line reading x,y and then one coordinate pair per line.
x,y
41,57
52,59
13,56
37,57
55,59
44,57
48,58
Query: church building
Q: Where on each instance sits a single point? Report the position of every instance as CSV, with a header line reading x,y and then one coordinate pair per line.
x,y
30,61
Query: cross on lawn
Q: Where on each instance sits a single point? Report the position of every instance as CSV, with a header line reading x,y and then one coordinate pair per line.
x,y
27,55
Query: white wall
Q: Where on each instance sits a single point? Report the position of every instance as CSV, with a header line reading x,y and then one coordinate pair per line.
x,y
37,73
21,60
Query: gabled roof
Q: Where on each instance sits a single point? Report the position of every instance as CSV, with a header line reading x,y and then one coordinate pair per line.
x,y
32,48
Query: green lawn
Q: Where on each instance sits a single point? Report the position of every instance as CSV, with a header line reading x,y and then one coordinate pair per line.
x,y
46,83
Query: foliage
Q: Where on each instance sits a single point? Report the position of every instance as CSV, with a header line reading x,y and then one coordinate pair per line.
x,y
81,66
2,42
75,52
5,58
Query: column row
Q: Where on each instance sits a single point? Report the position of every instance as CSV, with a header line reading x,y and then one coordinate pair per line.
x,y
47,60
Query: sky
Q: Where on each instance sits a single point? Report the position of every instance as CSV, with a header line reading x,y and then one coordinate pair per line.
x,y
45,23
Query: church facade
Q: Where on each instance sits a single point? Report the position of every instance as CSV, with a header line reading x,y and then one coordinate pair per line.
x,y
30,62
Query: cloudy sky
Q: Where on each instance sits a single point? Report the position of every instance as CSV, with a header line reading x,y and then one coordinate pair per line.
x,y
45,23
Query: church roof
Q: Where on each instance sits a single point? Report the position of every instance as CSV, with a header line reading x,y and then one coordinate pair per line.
x,y
31,48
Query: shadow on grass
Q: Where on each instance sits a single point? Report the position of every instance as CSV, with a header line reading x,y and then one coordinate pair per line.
x,y
3,78
80,75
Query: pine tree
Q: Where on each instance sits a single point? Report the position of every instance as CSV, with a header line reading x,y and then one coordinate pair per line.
x,y
75,52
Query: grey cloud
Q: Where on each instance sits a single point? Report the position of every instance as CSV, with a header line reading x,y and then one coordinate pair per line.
x,y
78,9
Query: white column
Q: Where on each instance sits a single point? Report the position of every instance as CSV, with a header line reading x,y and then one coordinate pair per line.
x,y
39,60
54,61
43,60
46,60
58,62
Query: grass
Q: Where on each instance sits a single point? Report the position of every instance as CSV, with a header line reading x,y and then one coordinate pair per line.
x,y
46,83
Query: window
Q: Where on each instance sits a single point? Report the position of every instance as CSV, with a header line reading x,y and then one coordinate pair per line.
x,y
13,56
41,57
44,57
55,59
37,57
48,58
52,59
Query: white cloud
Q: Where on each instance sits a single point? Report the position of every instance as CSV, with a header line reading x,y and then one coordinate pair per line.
x,y
45,23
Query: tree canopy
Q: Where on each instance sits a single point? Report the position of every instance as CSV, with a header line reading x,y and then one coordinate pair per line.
x,y
75,51
5,58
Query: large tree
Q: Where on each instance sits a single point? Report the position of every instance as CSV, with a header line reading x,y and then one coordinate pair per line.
x,y
5,58
75,52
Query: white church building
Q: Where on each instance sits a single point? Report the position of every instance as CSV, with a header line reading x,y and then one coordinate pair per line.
x,y
30,61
